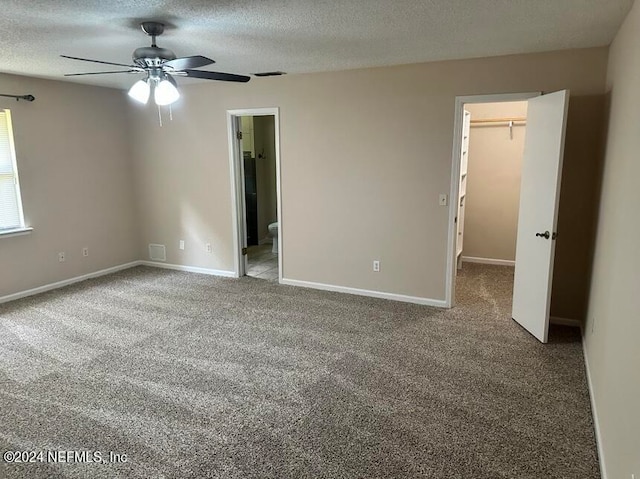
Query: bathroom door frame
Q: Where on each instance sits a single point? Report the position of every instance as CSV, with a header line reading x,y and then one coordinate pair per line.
x,y
236,168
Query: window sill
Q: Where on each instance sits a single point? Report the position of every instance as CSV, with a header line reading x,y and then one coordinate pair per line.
x,y
15,232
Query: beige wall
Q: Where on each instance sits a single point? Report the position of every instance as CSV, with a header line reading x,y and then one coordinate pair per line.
x,y
578,207
613,326
493,181
265,146
364,155
75,174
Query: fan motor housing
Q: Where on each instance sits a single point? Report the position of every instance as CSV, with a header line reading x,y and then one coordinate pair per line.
x,y
152,56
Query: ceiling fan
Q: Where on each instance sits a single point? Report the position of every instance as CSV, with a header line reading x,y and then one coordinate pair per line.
x,y
160,65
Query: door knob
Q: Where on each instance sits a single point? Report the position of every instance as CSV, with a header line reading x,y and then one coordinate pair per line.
x,y
544,235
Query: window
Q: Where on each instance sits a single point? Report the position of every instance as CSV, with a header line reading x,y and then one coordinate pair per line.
x,y
11,217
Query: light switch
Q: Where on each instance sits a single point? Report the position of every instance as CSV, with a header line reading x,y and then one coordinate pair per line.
x,y
443,200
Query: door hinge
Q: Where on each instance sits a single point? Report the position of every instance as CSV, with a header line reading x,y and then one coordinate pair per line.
x,y
244,251
554,235
239,135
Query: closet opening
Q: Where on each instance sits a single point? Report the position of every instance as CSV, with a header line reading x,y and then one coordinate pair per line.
x,y
488,199
489,191
507,162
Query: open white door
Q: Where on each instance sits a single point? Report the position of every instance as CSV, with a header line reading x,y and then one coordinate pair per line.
x,y
539,197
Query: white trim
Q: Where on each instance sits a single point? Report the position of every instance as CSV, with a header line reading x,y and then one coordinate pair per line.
x,y
453,203
190,269
365,292
113,269
594,411
498,262
237,186
278,192
236,192
455,177
67,282
15,232
574,323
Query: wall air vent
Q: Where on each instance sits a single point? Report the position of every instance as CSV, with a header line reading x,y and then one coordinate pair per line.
x,y
157,252
269,74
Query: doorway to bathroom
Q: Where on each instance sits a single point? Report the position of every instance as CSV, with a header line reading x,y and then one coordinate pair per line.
x,y
255,176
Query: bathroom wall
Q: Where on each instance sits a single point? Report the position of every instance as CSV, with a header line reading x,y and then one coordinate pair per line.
x,y
265,150
493,181
246,126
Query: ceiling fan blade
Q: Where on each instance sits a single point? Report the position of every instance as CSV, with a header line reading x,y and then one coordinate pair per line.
x,y
99,73
195,61
216,76
97,61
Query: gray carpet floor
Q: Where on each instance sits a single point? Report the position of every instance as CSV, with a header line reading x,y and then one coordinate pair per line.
x,y
194,376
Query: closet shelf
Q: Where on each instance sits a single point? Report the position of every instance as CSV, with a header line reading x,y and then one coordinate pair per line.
x,y
462,187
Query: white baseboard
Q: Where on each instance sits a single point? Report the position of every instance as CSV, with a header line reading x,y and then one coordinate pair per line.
x,y
67,282
574,323
113,269
498,262
594,411
365,292
190,269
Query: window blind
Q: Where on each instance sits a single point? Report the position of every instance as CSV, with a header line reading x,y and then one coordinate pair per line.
x,y
10,207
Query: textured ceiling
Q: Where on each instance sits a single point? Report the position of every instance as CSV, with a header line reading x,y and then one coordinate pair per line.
x,y
248,36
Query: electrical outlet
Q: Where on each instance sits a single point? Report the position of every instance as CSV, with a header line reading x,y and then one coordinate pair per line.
x,y
61,257
85,251
443,200
376,266
181,244
208,247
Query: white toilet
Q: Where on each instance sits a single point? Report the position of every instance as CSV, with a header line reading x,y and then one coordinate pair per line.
x,y
273,230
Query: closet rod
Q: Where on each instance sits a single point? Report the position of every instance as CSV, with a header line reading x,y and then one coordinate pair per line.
x,y
500,120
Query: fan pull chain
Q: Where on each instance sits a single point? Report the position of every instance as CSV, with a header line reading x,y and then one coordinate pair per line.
x,y
159,116
170,113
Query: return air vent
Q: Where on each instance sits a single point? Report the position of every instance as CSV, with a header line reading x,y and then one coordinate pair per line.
x,y
157,252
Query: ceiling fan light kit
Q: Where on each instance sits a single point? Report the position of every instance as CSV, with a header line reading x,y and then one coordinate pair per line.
x,y
140,91
160,66
165,93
